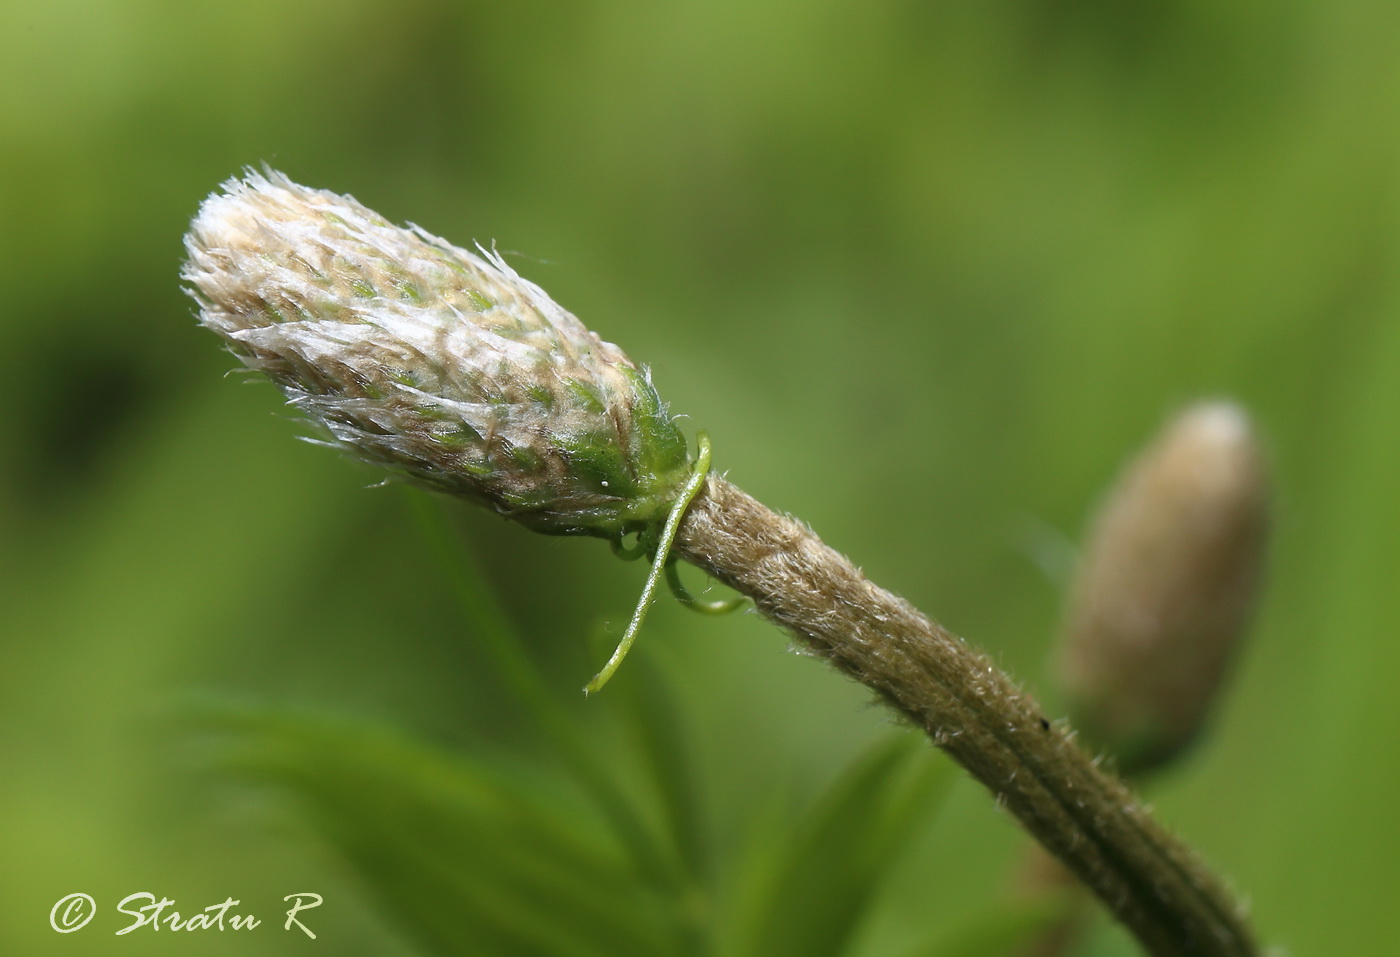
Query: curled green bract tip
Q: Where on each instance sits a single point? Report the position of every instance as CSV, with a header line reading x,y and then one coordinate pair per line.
x,y
722,606
661,558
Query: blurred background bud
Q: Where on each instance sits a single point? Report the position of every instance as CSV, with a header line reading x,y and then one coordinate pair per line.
x,y
1166,587
445,366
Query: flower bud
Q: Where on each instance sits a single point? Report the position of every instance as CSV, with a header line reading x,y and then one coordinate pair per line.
x,y
443,365
1166,586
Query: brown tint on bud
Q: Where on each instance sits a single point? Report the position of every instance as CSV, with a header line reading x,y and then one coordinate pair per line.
x,y
1166,587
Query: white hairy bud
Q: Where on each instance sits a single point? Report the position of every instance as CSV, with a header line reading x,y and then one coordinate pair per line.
x,y
441,364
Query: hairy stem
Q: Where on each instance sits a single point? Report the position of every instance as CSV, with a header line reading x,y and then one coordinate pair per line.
x,y
1148,878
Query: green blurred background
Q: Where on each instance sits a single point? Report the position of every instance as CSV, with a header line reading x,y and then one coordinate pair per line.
x,y
926,271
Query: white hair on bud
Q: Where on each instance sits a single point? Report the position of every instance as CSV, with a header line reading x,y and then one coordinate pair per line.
x,y
440,363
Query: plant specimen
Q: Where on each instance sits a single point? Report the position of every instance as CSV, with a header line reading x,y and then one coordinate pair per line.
x,y
452,371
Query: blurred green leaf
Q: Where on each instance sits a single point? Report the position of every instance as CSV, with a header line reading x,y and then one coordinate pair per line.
x,y
655,724
489,623
1000,931
468,858
818,884
646,705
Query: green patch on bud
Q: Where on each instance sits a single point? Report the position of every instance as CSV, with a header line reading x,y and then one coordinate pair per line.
x,y
332,310
599,465
585,394
461,437
527,459
481,468
528,500
661,449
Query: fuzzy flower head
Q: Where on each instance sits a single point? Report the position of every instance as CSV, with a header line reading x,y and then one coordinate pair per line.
x,y
443,365
1167,585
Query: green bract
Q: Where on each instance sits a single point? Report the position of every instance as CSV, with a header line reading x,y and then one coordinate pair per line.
x,y
441,364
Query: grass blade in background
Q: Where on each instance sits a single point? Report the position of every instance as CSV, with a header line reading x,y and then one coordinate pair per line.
x,y
655,728
468,859
488,622
999,932
817,886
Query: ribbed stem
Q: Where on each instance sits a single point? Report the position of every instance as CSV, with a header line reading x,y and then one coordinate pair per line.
x,y
1148,878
